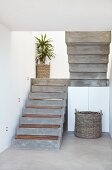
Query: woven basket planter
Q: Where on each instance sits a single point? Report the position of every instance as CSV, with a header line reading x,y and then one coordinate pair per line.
x,y
43,71
88,124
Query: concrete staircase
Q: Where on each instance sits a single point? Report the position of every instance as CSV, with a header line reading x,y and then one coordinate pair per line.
x,y
88,57
41,124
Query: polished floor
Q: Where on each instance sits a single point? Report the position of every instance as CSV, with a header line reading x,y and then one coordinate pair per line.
x,y
75,154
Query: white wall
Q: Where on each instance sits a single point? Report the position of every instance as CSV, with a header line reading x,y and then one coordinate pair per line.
x,y
23,60
59,64
5,96
16,66
110,119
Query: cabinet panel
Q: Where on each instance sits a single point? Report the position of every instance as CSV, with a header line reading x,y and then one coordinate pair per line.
x,y
99,100
77,98
88,98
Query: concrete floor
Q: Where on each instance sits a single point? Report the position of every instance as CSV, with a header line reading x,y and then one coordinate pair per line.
x,y
75,154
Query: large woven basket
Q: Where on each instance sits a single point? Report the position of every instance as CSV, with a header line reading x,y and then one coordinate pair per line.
x,y
43,71
88,124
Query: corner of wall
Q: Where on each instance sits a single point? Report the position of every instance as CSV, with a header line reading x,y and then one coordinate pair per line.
x,y
110,89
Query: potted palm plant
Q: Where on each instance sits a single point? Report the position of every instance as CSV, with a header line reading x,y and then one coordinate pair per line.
x,y
44,51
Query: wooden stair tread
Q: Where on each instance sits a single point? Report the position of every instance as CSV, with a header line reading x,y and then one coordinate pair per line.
x,y
37,137
51,99
41,116
60,85
44,91
38,126
45,107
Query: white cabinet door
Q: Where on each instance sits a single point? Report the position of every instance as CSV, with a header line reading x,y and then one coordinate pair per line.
x,y
88,98
99,100
77,99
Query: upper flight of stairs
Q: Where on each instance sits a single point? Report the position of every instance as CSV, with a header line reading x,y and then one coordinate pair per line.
x,y
88,57
41,124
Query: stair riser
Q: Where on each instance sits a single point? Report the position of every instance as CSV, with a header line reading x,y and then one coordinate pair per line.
x,y
49,88
47,95
56,121
88,37
45,103
87,75
88,49
89,83
44,111
40,131
88,59
50,81
36,144
88,68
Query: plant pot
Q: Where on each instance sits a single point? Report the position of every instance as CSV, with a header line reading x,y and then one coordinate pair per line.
x,y
43,71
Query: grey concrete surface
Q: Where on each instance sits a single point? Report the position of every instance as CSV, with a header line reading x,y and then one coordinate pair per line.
x,y
40,131
51,121
88,49
98,37
36,144
75,154
46,111
87,76
49,88
47,95
53,102
88,59
87,67
47,81
90,83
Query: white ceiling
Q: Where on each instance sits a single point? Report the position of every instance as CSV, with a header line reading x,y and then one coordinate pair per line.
x,y
35,15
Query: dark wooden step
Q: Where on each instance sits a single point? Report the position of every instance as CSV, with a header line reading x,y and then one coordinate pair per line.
x,y
41,116
38,126
37,137
55,99
45,107
61,85
44,91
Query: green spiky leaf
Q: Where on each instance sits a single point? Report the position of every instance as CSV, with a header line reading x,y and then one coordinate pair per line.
x,y
44,49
